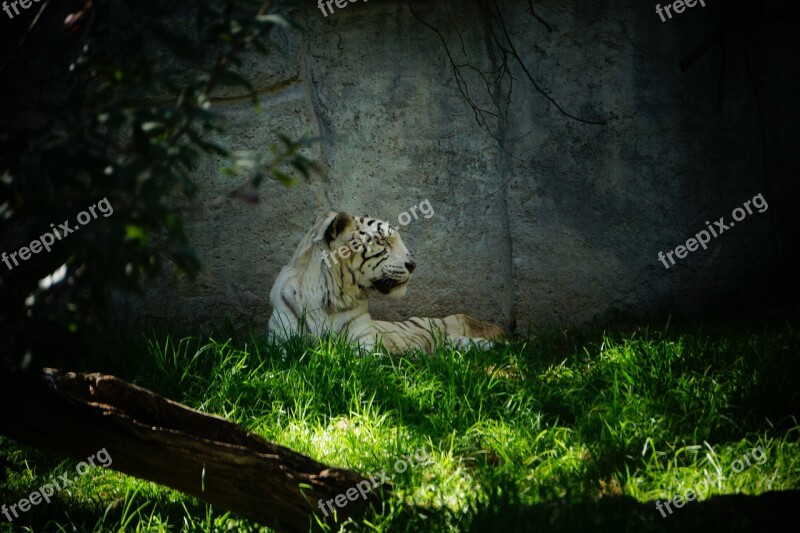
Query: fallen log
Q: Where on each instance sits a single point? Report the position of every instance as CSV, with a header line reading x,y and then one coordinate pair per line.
x,y
153,438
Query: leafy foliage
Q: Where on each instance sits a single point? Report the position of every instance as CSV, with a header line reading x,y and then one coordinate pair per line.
x,y
125,115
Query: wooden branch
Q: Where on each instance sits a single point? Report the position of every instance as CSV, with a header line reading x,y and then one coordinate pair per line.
x,y
153,438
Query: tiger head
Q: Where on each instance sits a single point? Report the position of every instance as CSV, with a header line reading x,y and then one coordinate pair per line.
x,y
369,252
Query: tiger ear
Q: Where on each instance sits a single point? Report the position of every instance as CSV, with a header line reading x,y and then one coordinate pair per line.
x,y
340,223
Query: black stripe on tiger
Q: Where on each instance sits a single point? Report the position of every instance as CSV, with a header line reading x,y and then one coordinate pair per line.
x,y
381,261
347,324
288,304
419,323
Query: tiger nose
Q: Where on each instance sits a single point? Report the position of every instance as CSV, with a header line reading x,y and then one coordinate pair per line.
x,y
411,265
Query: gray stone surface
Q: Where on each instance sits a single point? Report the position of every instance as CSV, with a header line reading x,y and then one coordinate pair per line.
x,y
560,225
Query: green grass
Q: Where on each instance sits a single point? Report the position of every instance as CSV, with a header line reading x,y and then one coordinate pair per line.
x,y
562,417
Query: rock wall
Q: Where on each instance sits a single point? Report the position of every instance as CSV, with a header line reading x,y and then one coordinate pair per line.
x,y
540,219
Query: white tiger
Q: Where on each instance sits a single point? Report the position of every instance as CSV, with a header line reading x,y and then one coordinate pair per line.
x,y
319,293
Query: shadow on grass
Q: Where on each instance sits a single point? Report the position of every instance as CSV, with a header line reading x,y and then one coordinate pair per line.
x,y
771,511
